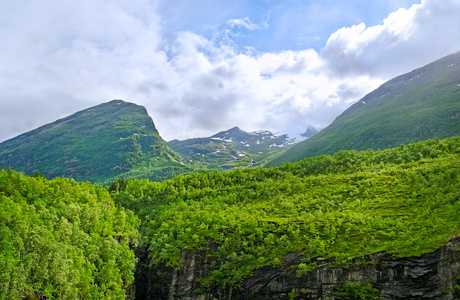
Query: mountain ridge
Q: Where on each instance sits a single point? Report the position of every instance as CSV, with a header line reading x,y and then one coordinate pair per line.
x,y
95,144
231,148
419,105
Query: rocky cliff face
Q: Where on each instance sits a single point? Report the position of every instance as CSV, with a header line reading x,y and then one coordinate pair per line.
x,y
430,276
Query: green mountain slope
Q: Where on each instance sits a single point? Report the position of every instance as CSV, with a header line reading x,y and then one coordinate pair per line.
x,y
99,144
419,105
404,201
231,148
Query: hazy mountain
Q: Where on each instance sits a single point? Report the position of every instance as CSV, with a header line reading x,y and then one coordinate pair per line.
x,y
97,144
309,132
419,105
231,148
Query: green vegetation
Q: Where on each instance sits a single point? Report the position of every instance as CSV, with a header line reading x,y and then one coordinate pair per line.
x,y
61,239
352,290
404,201
420,105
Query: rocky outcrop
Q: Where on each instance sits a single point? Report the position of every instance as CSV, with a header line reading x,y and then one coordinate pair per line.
x,y
430,276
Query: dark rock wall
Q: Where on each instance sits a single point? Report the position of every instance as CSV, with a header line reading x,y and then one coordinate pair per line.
x,y
430,276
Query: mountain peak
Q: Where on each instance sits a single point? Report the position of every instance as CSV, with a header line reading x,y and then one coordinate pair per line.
x,y
309,132
231,148
234,134
93,144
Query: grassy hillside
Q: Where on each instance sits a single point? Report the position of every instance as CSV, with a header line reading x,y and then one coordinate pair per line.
x,y
61,239
420,105
99,144
404,201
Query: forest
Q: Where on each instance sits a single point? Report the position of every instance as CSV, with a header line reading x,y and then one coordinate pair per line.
x,y
62,239
404,201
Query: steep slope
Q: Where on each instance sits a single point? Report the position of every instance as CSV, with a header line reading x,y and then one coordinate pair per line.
x,y
97,144
231,148
419,105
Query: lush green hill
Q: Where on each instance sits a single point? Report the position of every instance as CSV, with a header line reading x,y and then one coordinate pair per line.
x,y
99,144
231,148
61,239
405,201
420,105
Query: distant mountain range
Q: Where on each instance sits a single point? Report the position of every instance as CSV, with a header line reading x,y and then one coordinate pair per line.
x,y
119,139
233,148
416,106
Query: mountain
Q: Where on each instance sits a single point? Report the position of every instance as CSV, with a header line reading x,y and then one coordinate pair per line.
x,y
309,132
416,106
231,148
98,144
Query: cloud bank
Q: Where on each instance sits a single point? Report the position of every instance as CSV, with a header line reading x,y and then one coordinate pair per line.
x,y
58,58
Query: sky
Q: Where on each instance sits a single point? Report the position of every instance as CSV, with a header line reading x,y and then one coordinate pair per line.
x,y
203,66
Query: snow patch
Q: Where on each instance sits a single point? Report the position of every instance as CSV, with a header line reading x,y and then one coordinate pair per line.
x,y
259,132
409,81
293,139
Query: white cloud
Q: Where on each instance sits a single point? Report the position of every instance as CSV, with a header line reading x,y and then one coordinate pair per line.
x,y
58,58
281,92
247,23
407,39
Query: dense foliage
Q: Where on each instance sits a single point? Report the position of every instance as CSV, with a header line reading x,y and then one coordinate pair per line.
x,y
355,291
405,201
61,239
